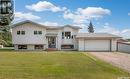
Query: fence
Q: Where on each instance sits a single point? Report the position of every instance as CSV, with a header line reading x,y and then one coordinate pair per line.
x,y
123,47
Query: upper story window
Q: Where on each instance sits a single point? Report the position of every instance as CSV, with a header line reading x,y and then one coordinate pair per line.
x,y
20,32
62,35
66,35
37,32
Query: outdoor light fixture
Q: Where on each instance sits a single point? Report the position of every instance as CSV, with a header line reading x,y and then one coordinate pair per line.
x,y
6,12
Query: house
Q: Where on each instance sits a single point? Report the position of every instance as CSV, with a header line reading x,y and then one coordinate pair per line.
x,y
28,35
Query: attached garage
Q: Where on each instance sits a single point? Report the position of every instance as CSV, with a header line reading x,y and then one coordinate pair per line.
x,y
97,42
97,45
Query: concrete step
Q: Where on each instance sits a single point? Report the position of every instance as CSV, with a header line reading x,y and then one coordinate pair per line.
x,y
51,49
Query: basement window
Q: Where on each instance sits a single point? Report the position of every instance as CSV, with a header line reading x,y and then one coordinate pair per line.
x,y
18,32
38,46
22,46
67,46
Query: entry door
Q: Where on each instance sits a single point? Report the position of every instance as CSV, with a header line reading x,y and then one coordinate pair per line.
x,y
51,42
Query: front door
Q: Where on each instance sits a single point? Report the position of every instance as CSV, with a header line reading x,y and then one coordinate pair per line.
x,y
51,42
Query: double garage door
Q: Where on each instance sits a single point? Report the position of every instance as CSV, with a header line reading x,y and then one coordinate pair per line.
x,y
97,45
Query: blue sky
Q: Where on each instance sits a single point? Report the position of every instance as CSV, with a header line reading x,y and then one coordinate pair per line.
x,y
112,16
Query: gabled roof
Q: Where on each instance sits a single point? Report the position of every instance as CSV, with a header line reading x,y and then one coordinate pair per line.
x,y
27,21
96,35
48,27
75,27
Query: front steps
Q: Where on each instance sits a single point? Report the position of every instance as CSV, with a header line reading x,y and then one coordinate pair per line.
x,y
51,49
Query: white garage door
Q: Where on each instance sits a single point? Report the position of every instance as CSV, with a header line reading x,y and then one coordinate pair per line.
x,y
97,45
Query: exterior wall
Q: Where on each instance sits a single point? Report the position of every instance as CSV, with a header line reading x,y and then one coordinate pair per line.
x,y
30,47
52,31
29,37
122,47
81,45
15,47
114,45
59,39
70,41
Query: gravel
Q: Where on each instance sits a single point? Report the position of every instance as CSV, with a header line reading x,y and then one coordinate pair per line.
x,y
121,60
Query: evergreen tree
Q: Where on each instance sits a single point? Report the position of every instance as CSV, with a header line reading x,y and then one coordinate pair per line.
x,y
5,36
90,28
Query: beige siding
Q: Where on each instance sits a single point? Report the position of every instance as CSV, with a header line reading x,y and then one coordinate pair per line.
x,y
30,47
70,41
81,45
29,37
114,44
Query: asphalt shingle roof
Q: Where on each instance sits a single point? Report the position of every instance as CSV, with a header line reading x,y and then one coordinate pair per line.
x,y
96,35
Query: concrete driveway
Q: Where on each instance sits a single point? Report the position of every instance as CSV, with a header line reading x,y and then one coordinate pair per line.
x,y
121,60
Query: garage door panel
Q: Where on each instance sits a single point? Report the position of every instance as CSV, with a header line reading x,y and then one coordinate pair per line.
x,y
97,45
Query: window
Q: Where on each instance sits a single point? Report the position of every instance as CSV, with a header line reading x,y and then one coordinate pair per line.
x,y
67,35
18,32
22,32
72,37
37,32
38,46
67,46
62,35
22,46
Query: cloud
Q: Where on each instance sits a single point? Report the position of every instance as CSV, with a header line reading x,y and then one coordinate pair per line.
x,y
44,6
81,15
129,14
50,23
109,29
25,16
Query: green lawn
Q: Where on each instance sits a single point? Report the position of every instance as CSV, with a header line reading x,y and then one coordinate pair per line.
x,y
54,65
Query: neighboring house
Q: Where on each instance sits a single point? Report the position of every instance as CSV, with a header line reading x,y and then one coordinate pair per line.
x,y
28,35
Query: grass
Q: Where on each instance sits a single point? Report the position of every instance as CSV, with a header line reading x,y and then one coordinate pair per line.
x,y
54,65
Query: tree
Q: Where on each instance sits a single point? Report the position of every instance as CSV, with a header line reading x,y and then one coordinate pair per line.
x,y
5,36
90,28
